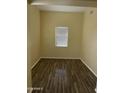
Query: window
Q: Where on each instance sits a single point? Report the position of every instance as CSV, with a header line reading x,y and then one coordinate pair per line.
x,y
61,36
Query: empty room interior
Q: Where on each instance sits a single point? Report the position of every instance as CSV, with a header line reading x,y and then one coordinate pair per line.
x,y
62,46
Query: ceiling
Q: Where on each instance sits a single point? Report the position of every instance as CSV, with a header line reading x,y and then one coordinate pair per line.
x,y
64,5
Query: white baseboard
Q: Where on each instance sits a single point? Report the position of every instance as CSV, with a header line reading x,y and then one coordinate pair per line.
x,y
60,57
52,58
35,63
64,58
96,90
29,90
88,67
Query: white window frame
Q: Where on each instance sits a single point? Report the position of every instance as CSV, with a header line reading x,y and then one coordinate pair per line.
x,y
57,29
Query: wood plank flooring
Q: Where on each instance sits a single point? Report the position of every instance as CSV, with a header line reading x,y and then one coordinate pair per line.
x,y
62,76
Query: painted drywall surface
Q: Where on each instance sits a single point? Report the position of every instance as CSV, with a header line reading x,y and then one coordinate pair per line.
x,y
85,3
50,20
33,32
89,39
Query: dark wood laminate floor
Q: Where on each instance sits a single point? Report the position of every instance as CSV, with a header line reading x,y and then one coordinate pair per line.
x,y
62,76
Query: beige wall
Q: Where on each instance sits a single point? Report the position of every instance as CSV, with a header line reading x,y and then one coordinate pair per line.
x,y
49,20
41,36
33,38
89,39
